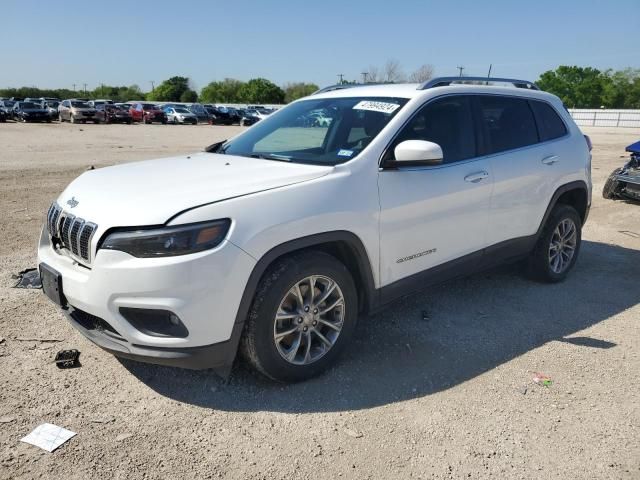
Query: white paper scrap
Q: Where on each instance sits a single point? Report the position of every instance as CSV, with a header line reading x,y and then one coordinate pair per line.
x,y
382,107
48,436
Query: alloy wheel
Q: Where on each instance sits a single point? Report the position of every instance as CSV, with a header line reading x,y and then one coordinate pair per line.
x,y
563,245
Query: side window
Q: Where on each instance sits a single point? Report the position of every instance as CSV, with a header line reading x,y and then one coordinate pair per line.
x,y
508,122
550,125
448,122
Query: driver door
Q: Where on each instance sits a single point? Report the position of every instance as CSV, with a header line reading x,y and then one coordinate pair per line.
x,y
432,215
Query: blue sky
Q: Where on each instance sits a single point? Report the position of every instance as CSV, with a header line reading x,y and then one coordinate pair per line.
x,y
57,43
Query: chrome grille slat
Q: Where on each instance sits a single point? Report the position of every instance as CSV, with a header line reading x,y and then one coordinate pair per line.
x,y
73,233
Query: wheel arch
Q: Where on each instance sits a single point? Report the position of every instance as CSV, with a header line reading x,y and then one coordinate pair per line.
x,y
575,194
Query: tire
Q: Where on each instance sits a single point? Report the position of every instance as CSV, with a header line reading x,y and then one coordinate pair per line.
x,y
611,186
540,263
277,286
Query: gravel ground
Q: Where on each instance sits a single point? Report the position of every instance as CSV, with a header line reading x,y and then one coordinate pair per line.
x,y
449,396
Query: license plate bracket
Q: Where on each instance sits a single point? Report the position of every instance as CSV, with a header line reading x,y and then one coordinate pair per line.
x,y
52,285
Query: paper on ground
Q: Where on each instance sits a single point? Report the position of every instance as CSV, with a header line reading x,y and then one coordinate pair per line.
x,y
48,436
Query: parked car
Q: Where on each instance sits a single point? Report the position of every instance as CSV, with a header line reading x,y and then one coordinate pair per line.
x,y
181,260
110,113
180,115
246,120
219,116
624,182
100,101
147,113
52,108
3,115
30,112
76,110
199,111
6,106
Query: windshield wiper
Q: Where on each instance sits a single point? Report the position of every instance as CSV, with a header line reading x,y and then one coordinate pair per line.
x,y
278,158
214,147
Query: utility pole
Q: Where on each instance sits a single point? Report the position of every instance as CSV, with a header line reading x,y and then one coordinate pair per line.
x,y
85,89
489,74
341,75
364,77
74,87
461,69
153,85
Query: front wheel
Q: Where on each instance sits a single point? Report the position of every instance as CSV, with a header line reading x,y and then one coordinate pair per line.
x,y
304,313
558,246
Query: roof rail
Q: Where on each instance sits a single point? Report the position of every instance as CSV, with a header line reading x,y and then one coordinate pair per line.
x,y
444,81
338,86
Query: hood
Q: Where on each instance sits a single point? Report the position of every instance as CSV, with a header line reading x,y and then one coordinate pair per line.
x,y
151,192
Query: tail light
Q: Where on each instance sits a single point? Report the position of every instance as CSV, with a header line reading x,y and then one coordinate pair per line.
x,y
588,140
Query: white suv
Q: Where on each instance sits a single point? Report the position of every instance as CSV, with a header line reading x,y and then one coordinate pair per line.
x,y
277,240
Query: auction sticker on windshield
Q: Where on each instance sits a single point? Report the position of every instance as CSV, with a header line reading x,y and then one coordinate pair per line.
x,y
382,107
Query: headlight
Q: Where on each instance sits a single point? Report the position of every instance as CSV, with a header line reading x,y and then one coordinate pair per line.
x,y
169,241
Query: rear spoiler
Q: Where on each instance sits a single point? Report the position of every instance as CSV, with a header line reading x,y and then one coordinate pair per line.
x,y
633,148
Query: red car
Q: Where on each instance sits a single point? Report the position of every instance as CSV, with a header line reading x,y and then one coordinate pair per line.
x,y
147,113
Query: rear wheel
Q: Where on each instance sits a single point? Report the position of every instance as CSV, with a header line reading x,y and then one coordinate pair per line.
x,y
303,314
558,246
612,186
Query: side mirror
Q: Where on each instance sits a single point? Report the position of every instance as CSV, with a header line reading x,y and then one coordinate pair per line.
x,y
418,152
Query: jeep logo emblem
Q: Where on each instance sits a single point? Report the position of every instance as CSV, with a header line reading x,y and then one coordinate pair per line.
x,y
73,202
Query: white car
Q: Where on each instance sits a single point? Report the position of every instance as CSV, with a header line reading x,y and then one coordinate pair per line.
x,y
280,238
180,115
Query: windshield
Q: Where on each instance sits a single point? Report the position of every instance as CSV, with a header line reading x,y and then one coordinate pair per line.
x,y
80,105
53,104
182,110
28,105
146,106
323,131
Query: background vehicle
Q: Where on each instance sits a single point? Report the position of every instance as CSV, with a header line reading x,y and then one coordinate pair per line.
x,y
246,120
147,113
180,115
52,108
199,111
76,110
410,185
624,182
30,112
100,101
219,116
109,113
6,106
3,115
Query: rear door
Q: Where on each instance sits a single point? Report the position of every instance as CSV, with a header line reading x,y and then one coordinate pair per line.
x,y
524,165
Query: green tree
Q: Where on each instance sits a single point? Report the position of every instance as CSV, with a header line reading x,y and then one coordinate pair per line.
x,y
578,87
623,91
170,90
226,91
189,96
294,91
261,90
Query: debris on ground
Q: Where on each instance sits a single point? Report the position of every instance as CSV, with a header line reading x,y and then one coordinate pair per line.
x,y
7,419
523,390
68,358
123,436
542,379
35,339
353,433
29,278
103,419
48,436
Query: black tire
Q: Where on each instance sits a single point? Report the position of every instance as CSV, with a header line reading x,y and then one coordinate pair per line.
x,y
611,186
538,267
258,345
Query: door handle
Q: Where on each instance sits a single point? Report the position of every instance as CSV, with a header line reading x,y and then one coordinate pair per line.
x,y
476,177
550,160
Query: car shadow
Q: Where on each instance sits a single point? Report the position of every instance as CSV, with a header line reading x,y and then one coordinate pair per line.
x,y
433,340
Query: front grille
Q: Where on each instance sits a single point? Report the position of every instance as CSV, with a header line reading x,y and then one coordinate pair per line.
x,y
72,232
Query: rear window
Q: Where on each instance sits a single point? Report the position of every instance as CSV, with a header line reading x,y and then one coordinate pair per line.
x,y
550,125
508,121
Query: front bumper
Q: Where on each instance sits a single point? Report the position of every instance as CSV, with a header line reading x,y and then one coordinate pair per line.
x,y
203,289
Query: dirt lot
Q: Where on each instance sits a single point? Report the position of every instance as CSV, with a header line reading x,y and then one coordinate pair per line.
x,y
449,397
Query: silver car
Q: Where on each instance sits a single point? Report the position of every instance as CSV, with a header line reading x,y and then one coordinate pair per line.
x,y
180,115
76,111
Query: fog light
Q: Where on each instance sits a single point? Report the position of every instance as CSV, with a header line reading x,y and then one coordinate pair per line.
x,y
156,323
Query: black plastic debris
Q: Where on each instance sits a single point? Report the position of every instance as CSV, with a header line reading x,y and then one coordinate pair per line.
x,y
29,278
68,359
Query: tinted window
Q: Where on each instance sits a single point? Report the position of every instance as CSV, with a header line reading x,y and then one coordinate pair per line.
x,y
447,122
508,123
550,125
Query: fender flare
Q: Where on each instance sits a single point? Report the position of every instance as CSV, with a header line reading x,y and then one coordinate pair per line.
x,y
575,185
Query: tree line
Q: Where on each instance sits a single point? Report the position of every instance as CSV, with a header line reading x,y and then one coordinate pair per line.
x,y
578,87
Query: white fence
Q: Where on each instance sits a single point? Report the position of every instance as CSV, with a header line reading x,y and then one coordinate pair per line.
x,y
605,118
